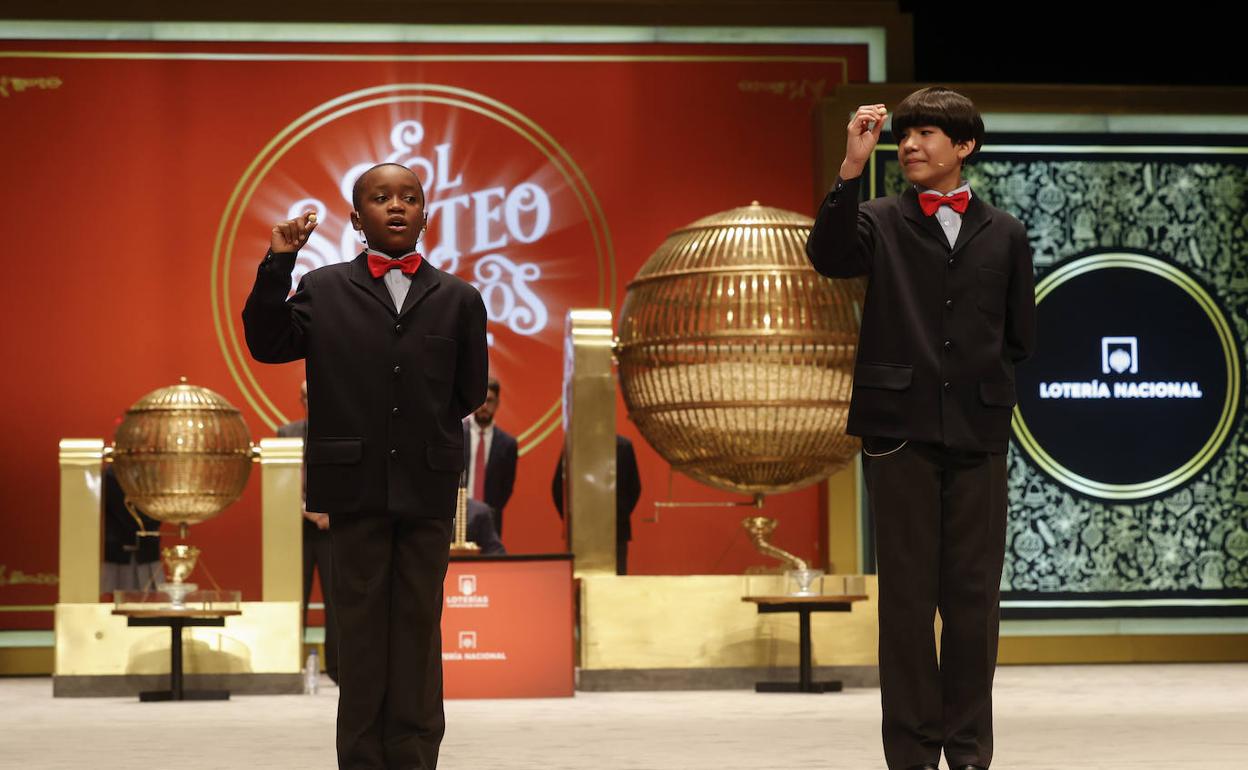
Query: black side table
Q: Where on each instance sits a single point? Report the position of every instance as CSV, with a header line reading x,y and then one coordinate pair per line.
x,y
803,606
177,620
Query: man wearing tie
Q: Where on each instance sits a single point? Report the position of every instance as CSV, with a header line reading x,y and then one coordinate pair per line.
x,y
491,457
318,553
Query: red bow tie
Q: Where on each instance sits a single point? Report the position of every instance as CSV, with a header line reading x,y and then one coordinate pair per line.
x,y
378,264
931,201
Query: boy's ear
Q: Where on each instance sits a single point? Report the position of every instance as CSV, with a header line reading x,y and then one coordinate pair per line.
x,y
965,148
355,220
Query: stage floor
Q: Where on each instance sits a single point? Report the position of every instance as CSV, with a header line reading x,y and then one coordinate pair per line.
x,y
1073,717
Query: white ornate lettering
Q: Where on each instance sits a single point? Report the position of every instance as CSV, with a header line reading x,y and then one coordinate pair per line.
x,y
318,251
513,303
485,213
524,199
405,135
465,224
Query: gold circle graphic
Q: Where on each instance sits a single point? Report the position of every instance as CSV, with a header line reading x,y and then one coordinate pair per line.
x,y
1230,350
238,361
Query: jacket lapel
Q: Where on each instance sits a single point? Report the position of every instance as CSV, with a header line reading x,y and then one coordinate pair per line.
x,y
976,218
360,276
910,208
496,451
424,281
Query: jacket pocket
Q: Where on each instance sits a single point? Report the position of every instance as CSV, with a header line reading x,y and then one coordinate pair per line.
x,y
445,458
440,357
886,376
997,393
991,291
335,451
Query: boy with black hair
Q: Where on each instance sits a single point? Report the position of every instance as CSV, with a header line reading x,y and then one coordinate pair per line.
x,y
949,311
396,358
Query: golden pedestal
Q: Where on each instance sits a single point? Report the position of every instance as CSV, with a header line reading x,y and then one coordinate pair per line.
x,y
658,632
258,651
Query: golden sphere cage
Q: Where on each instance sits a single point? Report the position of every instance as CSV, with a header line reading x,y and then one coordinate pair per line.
x,y
182,454
736,358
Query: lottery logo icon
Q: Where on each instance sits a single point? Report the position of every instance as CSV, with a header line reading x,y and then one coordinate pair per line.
x,y
1120,354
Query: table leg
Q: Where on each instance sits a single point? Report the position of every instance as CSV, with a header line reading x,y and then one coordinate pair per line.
x,y
805,667
177,689
175,660
804,676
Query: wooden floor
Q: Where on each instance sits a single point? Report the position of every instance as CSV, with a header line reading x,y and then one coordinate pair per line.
x,y
1070,717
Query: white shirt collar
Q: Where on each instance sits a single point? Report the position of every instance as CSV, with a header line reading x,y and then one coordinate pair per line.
x,y
387,256
966,186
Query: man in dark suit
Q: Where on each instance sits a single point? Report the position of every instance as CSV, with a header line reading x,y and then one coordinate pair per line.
x,y
627,493
481,529
490,453
317,550
396,357
131,561
949,310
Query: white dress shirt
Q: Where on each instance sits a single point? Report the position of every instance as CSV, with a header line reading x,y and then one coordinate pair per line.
x,y
950,220
397,282
476,434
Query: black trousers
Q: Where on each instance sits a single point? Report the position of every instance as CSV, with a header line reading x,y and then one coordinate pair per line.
x,y
318,556
388,576
940,543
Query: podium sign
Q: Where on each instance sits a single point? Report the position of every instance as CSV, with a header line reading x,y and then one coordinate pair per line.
x,y
507,628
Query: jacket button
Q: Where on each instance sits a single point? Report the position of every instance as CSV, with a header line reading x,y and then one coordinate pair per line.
x,y
394,453
951,262
398,328
948,345
947,385
948,304
395,411
396,370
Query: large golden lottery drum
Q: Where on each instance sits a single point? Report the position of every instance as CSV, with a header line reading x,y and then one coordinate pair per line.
x,y
736,357
182,454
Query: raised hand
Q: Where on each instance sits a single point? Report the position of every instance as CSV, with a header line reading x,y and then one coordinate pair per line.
x,y
863,133
290,235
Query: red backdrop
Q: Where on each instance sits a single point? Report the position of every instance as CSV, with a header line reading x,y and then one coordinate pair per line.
x,y
140,182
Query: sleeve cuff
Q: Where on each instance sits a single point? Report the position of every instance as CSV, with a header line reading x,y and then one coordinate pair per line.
x,y
841,184
281,257
841,189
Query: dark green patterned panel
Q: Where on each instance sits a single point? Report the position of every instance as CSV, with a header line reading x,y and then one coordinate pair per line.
x,y
1182,200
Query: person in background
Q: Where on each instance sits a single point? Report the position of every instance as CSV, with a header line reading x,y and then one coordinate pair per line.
x,y
131,562
481,529
627,493
491,455
318,555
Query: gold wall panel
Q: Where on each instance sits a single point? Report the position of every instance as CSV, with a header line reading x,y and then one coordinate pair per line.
x,y
699,621
265,639
589,440
844,544
82,475
281,520
1178,648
